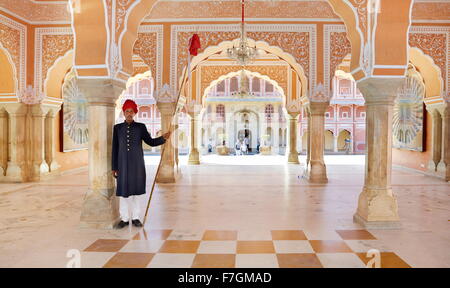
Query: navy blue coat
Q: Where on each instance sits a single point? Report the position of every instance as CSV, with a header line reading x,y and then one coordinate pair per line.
x,y
128,157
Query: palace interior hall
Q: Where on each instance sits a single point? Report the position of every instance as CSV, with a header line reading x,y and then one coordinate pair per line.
x,y
305,133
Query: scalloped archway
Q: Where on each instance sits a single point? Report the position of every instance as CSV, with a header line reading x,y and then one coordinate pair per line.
x,y
275,50
252,73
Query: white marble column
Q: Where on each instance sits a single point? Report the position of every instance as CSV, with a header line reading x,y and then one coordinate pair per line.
x,y
100,205
377,204
167,170
316,171
446,142
300,142
50,139
16,169
194,156
335,143
293,153
39,166
3,141
436,139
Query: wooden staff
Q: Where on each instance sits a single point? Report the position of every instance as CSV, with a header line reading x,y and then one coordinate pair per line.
x,y
164,147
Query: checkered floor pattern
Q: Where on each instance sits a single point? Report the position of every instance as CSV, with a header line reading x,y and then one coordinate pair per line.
x,y
241,249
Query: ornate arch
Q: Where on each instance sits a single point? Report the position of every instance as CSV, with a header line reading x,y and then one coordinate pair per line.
x,y
211,50
235,73
431,73
56,75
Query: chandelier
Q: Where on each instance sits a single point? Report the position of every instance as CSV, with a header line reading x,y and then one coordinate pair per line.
x,y
243,53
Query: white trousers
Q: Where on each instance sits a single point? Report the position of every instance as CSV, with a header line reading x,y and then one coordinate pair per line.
x,y
130,205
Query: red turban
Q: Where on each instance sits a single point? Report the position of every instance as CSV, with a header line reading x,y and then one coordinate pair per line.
x,y
130,104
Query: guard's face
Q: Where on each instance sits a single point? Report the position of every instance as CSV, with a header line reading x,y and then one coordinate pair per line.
x,y
129,114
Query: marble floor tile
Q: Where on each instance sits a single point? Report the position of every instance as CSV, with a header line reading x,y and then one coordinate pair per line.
x,y
330,246
142,246
217,247
355,235
94,259
129,260
292,246
256,261
106,245
214,261
171,260
254,247
340,260
300,260
179,246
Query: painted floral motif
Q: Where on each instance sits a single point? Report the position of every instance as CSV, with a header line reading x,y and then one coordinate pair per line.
x,y
53,47
10,40
361,8
145,47
433,45
254,9
122,7
295,43
339,48
35,11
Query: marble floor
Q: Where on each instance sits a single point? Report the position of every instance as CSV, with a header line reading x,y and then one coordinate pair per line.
x,y
247,211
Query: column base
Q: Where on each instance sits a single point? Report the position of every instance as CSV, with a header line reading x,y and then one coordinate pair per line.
x,y
447,173
13,174
194,158
317,172
54,166
377,209
99,211
166,175
39,170
441,168
293,158
385,225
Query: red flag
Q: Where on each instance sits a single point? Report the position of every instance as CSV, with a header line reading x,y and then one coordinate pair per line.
x,y
194,45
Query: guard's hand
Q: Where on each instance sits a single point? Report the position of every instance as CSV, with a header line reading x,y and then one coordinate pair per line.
x,y
167,135
115,173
